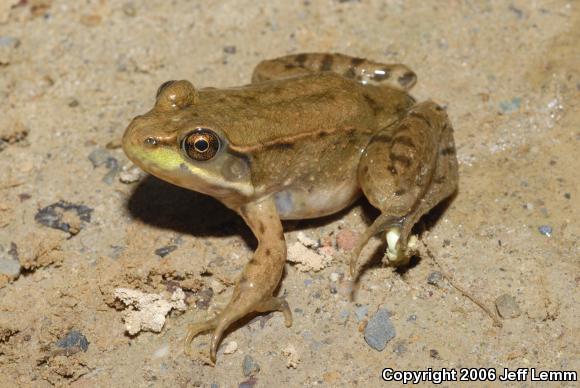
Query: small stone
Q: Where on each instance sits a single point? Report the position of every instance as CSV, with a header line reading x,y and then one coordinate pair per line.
x,y
130,173
343,316
434,353
412,318
292,356
230,49
249,383
129,9
9,264
361,312
250,366
214,385
9,41
306,241
334,277
65,216
99,157
546,230
346,240
164,251
230,347
73,103
511,105
507,307
400,348
435,278
73,342
379,330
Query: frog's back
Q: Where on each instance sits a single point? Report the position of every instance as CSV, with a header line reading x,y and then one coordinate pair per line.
x,y
308,105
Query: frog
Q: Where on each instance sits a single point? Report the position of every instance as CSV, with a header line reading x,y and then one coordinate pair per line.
x,y
308,136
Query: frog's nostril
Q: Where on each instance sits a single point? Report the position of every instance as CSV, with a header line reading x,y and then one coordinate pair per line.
x,y
150,141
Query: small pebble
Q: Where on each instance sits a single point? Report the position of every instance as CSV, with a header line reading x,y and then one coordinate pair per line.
x,y
249,383
230,347
129,9
400,348
230,49
435,278
334,277
164,251
73,103
507,307
346,240
9,41
343,316
250,366
379,330
361,312
99,157
54,216
130,173
511,105
412,318
74,341
546,230
9,264
434,353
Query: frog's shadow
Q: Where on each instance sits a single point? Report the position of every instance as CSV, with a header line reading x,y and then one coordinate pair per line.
x,y
183,211
167,206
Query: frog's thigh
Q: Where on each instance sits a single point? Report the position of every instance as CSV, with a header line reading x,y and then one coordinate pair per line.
x,y
363,70
406,170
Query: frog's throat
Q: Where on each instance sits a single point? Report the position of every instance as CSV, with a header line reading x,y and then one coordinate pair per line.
x,y
169,165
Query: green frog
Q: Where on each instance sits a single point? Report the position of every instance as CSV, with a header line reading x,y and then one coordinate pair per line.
x,y
308,136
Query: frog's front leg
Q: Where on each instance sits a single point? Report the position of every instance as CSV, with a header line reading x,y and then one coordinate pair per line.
x,y
362,70
259,279
406,170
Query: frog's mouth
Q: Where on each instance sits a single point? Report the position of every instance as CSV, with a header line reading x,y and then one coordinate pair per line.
x,y
169,165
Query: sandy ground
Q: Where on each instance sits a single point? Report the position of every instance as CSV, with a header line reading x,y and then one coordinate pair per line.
x,y
73,74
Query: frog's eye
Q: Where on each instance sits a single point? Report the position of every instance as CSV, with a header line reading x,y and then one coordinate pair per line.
x,y
202,144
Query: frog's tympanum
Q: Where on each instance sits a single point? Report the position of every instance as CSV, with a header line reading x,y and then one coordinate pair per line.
x,y
303,140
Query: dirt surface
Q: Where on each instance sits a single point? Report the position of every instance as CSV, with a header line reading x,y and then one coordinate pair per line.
x,y
73,236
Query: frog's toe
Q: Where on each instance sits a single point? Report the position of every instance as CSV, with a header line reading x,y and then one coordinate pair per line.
x,y
398,253
195,329
277,304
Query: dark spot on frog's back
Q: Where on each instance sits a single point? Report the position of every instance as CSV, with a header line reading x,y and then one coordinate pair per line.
x,y
404,160
326,63
350,73
267,252
261,228
373,104
300,59
447,151
407,78
357,61
283,146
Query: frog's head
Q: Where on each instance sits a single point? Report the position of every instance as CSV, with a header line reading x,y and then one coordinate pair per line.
x,y
172,143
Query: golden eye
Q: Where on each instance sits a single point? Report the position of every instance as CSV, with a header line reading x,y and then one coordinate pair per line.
x,y
202,144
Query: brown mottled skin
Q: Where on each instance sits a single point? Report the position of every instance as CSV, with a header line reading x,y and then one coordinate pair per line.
x,y
304,139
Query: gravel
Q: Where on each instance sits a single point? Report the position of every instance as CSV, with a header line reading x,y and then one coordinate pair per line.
x,y
379,330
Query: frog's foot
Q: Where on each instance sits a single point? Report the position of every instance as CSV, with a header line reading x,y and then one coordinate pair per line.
x,y
231,314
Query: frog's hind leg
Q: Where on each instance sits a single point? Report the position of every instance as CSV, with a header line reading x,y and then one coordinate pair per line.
x,y
363,70
405,171
254,290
